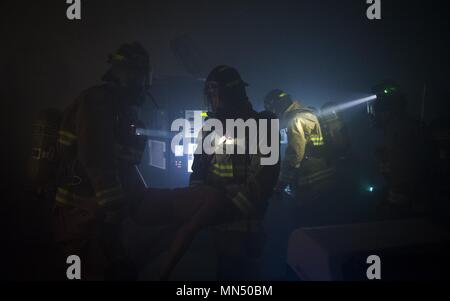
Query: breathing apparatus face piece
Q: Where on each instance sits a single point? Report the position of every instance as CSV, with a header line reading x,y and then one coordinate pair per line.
x,y
212,97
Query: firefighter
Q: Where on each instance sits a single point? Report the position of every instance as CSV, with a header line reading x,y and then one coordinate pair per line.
x,y
405,155
100,150
338,151
228,192
305,168
335,132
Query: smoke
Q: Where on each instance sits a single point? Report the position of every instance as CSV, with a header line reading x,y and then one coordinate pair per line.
x,y
347,105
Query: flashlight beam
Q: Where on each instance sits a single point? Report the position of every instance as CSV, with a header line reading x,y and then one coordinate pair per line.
x,y
348,105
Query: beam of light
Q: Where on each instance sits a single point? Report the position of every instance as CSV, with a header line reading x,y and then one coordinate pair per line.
x,y
348,105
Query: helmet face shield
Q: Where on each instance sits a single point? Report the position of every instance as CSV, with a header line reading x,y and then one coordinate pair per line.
x,y
224,89
211,93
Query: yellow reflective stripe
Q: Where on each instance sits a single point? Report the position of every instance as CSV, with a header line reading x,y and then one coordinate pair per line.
x,y
71,199
117,57
242,202
317,140
65,142
62,200
223,166
66,138
223,174
65,197
109,195
112,199
109,191
63,191
223,169
67,135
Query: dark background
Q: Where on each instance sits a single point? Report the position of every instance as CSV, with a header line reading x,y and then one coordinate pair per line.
x,y
317,50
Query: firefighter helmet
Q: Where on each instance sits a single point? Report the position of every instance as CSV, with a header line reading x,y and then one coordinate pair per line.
x,y
389,98
224,87
277,101
130,67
